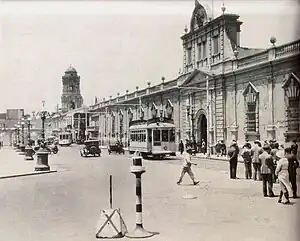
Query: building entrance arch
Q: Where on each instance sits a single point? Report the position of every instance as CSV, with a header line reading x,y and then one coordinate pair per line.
x,y
201,129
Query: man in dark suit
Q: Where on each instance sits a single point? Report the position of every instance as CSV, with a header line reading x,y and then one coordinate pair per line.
x,y
233,155
267,168
293,165
294,148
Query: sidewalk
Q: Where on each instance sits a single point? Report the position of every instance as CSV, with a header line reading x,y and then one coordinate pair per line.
x,y
14,165
198,155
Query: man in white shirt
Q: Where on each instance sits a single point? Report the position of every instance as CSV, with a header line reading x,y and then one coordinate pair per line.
x,y
186,166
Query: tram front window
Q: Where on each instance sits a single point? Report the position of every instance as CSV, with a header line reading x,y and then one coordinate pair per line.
x,y
156,138
172,135
164,135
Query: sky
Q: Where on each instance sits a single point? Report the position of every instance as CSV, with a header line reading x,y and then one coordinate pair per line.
x,y
114,45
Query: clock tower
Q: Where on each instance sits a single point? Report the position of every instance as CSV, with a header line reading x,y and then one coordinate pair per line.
x,y
71,97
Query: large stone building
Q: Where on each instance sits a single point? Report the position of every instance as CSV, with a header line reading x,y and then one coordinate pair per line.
x,y
252,94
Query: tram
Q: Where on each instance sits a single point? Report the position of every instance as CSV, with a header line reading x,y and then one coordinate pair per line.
x,y
154,137
65,139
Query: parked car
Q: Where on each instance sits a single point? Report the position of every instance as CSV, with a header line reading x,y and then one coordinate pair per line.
x,y
90,147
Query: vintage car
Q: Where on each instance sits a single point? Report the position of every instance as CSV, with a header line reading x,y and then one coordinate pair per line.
x,y
90,147
118,148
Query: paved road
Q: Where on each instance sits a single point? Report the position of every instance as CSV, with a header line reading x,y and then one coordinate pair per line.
x,y
66,205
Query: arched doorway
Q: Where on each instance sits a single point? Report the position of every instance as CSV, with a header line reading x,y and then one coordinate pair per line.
x,y
202,128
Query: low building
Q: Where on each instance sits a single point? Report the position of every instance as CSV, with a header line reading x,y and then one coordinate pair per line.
x,y
252,93
74,121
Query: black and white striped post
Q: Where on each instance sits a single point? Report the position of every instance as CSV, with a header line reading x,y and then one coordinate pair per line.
x,y
138,170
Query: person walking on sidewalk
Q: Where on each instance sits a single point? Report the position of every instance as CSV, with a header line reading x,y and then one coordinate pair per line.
x,y
186,167
283,176
255,152
181,147
233,155
246,154
293,165
267,166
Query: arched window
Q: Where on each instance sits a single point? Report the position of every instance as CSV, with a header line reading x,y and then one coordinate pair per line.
x,y
292,100
251,97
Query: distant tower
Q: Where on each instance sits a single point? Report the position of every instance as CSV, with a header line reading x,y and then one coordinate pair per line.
x,y
71,97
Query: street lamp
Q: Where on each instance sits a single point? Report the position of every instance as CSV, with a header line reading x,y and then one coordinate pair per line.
x,y
14,137
18,136
190,112
28,149
42,153
22,146
207,89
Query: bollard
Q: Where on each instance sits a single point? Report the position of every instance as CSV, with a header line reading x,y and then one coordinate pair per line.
x,y
42,160
22,149
137,169
28,153
18,147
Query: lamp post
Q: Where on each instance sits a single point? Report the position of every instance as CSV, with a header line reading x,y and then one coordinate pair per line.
x,y
18,136
22,146
207,89
190,112
28,148
14,132
42,153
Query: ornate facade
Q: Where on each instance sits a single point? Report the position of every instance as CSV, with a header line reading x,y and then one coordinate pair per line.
x,y
252,93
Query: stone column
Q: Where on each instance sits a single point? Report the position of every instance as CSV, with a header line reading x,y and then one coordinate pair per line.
x,y
271,129
234,128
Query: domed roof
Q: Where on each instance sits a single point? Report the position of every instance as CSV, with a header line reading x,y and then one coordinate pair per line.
x,y
71,69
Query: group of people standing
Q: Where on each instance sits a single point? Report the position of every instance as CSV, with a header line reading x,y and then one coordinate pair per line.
x,y
271,163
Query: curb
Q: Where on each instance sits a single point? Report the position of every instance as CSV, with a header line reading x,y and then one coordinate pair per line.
x,y
27,174
215,159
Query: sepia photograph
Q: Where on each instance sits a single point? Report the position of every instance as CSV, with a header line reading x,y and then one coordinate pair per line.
x,y
163,120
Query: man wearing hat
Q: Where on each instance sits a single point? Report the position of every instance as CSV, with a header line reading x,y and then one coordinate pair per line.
x,y
255,152
246,154
267,167
186,167
293,165
233,153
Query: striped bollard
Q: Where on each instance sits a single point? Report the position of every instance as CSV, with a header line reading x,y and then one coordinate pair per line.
x,y
139,231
